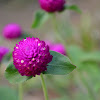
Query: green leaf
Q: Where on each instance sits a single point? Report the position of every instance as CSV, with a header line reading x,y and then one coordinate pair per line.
x,y
91,56
60,65
73,7
40,18
6,93
75,53
13,75
78,55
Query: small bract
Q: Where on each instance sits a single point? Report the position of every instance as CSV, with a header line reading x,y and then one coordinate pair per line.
x,y
12,31
31,56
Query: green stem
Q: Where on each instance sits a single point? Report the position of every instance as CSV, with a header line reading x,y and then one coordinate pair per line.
x,y
55,23
20,92
44,87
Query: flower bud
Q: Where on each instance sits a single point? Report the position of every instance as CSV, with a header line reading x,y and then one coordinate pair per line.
x,y
12,31
52,5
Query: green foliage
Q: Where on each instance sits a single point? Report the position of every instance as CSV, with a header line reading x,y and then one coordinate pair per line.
x,y
13,75
73,7
40,18
88,65
75,53
78,55
60,65
91,56
6,93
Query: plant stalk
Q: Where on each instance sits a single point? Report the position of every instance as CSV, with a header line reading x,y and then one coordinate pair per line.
x,y
44,87
55,23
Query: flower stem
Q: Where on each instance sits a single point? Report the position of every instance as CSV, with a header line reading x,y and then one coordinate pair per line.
x,y
20,92
44,87
55,23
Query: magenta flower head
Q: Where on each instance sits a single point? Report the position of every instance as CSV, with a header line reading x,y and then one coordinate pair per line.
x,y
31,56
12,31
52,5
59,48
3,52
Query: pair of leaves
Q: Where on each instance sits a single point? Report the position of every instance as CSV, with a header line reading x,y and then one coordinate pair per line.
x,y
41,16
60,65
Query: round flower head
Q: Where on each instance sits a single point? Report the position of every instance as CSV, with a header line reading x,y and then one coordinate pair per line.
x,y
52,5
59,48
12,31
31,56
3,52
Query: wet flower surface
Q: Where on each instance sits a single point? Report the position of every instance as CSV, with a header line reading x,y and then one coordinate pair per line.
x,y
12,31
31,56
3,52
52,5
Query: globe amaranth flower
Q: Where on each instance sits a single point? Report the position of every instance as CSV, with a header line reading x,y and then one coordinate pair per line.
x,y
12,31
52,5
58,47
31,56
3,52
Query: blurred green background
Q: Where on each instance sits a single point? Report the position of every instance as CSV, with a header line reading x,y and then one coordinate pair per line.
x,y
82,35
